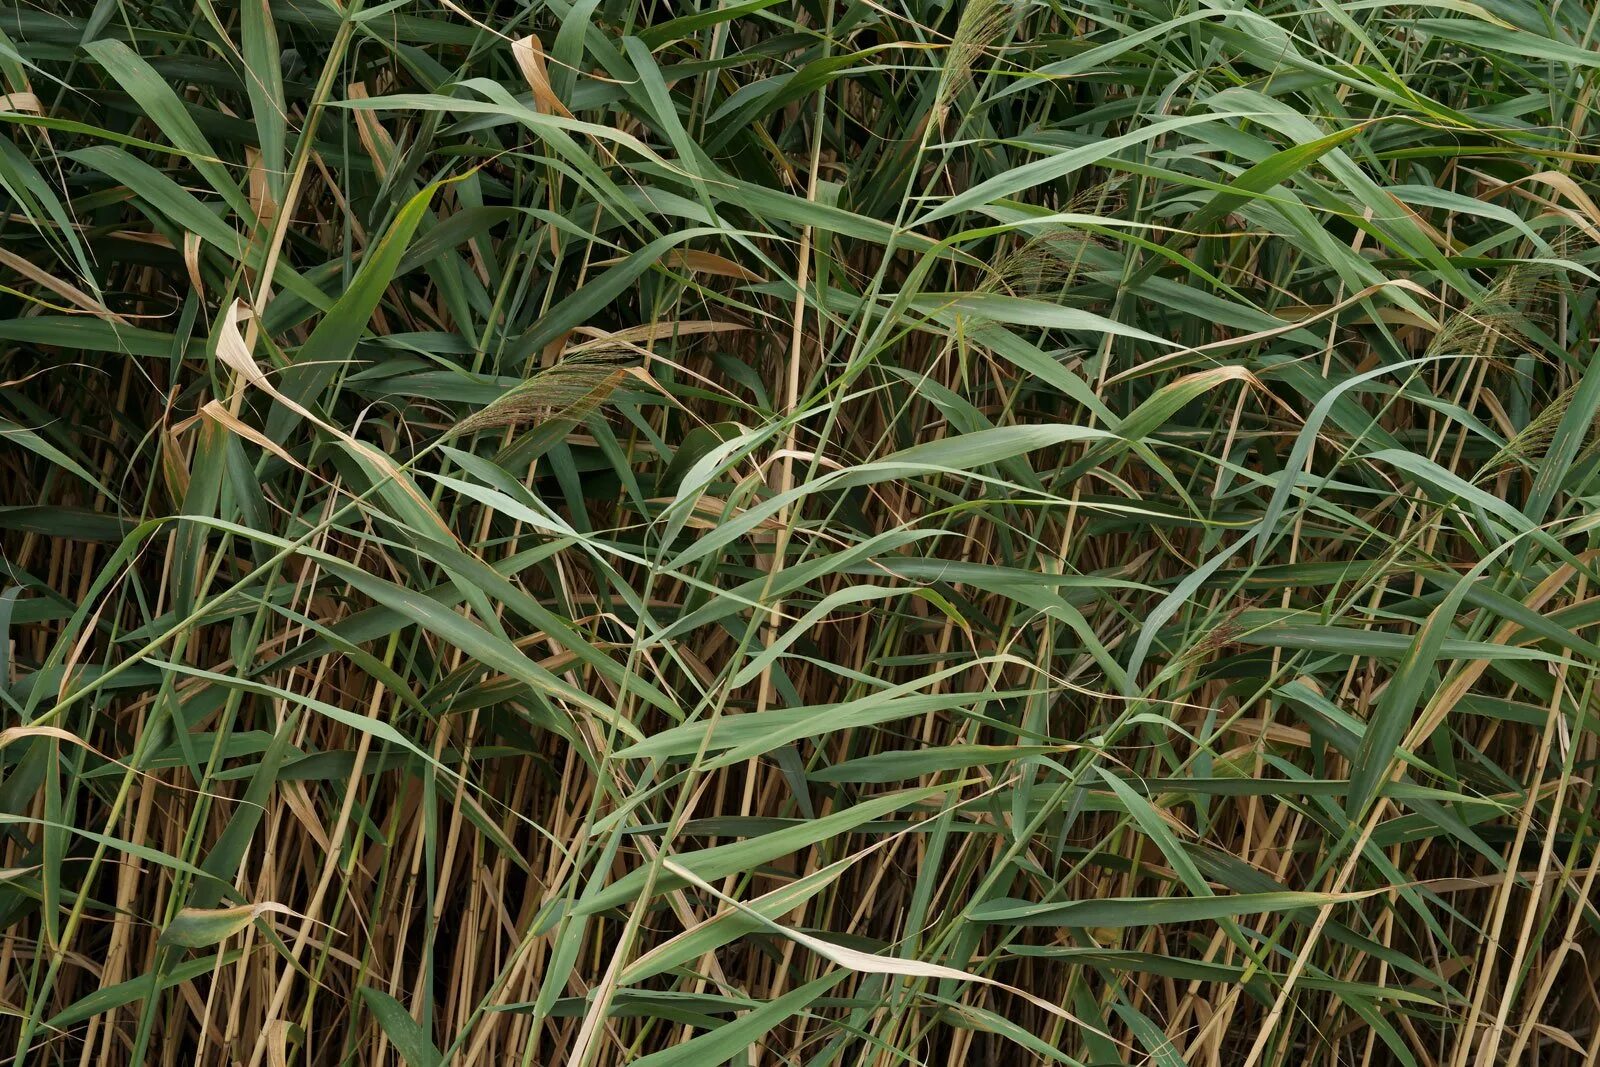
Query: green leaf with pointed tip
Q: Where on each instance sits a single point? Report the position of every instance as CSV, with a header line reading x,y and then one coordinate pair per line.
x,y
734,1037
719,861
408,1038
203,927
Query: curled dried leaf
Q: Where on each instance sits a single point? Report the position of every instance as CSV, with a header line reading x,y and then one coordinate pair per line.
x,y
529,54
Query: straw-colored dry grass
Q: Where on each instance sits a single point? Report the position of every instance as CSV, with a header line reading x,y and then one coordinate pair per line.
x,y
797,533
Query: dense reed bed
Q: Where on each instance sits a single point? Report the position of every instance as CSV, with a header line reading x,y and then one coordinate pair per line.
x,y
813,533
